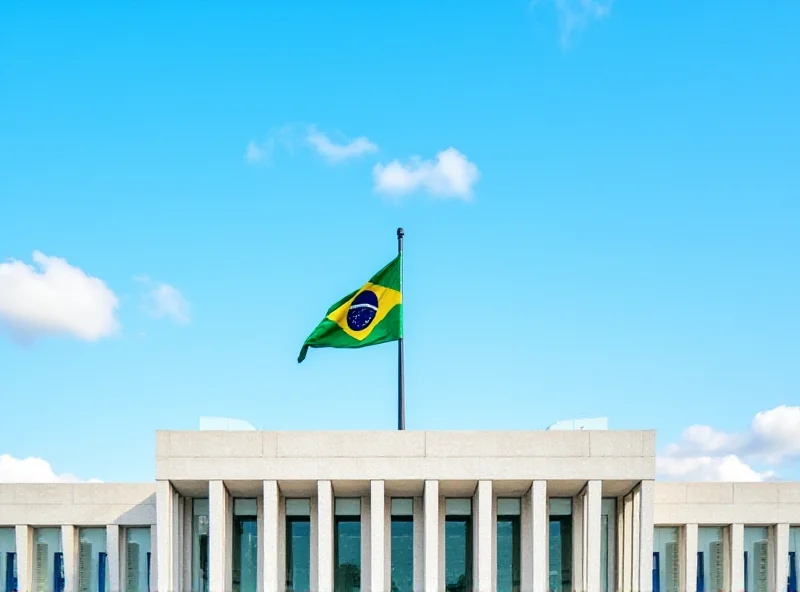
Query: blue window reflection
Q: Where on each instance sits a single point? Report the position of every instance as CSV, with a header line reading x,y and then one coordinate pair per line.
x,y
402,545
794,551
756,559
245,546
298,553
137,552
347,545
508,545
666,555
458,545
560,545
200,545
48,560
8,560
93,573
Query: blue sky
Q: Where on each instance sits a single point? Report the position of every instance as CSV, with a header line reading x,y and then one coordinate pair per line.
x,y
600,202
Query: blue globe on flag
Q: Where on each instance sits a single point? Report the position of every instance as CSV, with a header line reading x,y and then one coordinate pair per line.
x,y
362,311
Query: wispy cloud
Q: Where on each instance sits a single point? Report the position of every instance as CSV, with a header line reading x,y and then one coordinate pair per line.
x,y
53,297
338,152
574,15
706,454
291,137
162,300
261,151
449,175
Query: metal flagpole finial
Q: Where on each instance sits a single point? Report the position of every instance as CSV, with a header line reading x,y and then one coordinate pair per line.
x,y
400,233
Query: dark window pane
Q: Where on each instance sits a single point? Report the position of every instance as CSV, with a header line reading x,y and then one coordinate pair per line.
x,y
347,554
298,554
508,554
245,554
402,554
458,553
560,553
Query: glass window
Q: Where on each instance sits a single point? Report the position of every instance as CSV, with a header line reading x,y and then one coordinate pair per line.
x,y
756,559
200,545
92,560
8,560
347,545
48,560
608,545
508,544
298,545
402,545
137,559
560,544
794,551
458,545
245,545
666,559
711,564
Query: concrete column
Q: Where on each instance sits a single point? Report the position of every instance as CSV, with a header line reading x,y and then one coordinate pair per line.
x,y
387,540
186,571
154,557
636,540
578,584
314,532
219,537
112,549
627,539
324,536
24,549
164,548
541,521
366,544
377,518
647,496
69,548
592,504
485,540
273,574
260,541
177,538
431,531
781,569
419,545
737,557
689,558
526,543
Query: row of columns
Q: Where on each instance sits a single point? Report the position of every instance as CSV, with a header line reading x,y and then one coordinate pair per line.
x,y
25,555
734,544
635,539
633,548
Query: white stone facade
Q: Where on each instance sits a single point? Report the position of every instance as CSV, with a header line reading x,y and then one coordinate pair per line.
x,y
611,549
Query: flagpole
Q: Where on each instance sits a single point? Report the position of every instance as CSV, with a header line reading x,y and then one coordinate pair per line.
x,y
401,383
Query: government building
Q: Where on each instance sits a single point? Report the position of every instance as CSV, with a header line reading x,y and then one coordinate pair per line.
x,y
401,511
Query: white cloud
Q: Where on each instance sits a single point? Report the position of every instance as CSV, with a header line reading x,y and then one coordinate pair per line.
x,y
54,298
574,15
290,137
709,468
339,152
285,137
254,152
451,174
33,470
163,300
706,454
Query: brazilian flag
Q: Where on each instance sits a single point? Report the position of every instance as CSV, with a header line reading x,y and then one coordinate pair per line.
x,y
371,315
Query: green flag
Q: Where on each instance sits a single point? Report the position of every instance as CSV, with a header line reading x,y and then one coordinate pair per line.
x,y
371,315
